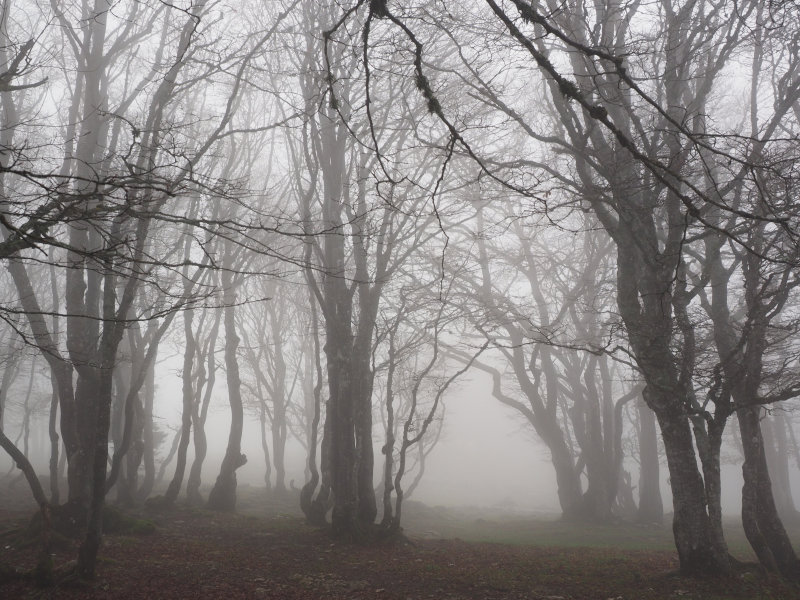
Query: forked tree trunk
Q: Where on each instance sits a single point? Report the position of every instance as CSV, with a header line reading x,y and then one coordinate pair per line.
x,y
698,550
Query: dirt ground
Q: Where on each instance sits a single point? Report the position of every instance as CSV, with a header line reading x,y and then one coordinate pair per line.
x,y
267,551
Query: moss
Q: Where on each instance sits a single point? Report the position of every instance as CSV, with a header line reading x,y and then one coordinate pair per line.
x,y
142,527
42,573
115,521
8,574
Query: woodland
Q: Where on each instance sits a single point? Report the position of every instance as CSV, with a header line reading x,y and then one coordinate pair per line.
x,y
333,212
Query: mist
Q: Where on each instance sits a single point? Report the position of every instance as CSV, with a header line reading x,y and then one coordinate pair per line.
x,y
386,299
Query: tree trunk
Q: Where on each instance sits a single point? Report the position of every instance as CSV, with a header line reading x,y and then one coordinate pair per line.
x,y
262,417
651,505
777,455
762,525
147,435
697,549
223,494
598,503
170,455
55,441
189,352
315,510
363,382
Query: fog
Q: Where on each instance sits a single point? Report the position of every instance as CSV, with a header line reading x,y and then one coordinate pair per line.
x,y
487,458
383,274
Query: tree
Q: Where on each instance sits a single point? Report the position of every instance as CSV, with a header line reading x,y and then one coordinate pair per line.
x,y
632,149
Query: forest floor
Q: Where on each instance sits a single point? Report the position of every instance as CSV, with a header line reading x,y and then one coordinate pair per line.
x,y
267,551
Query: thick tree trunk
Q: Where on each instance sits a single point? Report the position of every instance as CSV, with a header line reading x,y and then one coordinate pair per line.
x,y
343,452
87,553
697,550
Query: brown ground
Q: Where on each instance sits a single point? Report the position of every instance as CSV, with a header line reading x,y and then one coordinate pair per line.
x,y
199,554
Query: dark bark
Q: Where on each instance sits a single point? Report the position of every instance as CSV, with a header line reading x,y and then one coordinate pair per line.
x,y
760,518
698,551
113,329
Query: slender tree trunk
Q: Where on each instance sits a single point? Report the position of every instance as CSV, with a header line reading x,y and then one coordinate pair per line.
x,y
316,510
43,573
55,441
199,414
147,435
265,446
173,449
598,505
223,494
189,352
278,428
651,505
777,455
762,525
624,494
363,382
